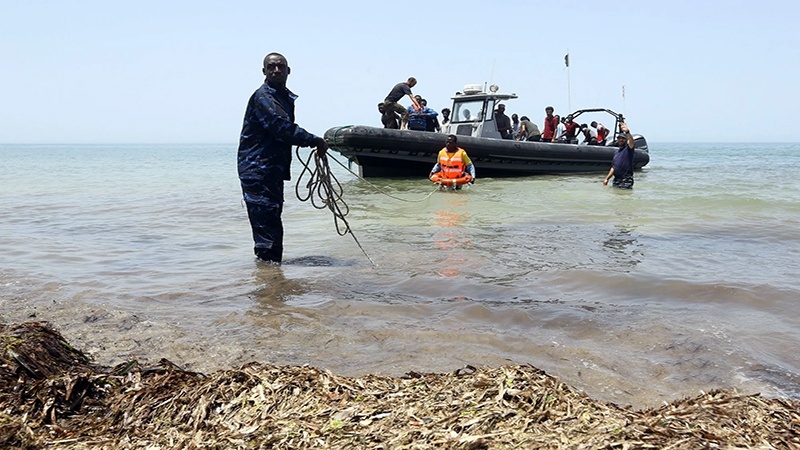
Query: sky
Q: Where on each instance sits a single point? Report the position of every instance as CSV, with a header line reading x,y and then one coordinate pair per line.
x,y
182,71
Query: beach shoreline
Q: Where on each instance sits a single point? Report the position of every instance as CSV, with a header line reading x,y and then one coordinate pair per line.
x,y
110,335
54,394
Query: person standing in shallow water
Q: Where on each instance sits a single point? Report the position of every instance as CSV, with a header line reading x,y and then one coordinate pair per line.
x,y
453,161
265,155
622,164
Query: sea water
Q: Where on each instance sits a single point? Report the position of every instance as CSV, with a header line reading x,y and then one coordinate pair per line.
x,y
686,283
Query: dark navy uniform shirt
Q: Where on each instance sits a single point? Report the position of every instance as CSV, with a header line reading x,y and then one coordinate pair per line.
x,y
268,134
623,162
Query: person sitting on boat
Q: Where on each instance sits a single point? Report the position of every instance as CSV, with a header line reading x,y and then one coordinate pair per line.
x,y
601,132
423,119
528,131
502,122
389,119
453,162
550,125
622,164
514,125
431,119
560,130
444,124
399,91
570,130
589,135
468,116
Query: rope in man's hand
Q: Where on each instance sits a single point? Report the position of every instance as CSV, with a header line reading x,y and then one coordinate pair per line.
x,y
325,191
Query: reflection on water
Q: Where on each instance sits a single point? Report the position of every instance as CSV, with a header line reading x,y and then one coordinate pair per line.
x,y
272,286
450,238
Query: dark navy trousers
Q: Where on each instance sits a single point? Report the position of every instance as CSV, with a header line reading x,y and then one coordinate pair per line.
x,y
264,202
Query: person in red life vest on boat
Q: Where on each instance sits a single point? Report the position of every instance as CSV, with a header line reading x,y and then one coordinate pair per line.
x,y
571,130
602,132
454,166
550,125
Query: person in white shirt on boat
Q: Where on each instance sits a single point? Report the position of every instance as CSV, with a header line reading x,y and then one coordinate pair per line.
x,y
589,135
560,130
444,124
514,125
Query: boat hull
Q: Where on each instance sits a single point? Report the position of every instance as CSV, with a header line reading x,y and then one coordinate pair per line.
x,y
383,152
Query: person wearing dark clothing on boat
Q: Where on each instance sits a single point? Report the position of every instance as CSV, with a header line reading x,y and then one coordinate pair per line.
x,y
423,119
503,122
399,91
431,119
622,164
550,125
265,155
528,131
389,119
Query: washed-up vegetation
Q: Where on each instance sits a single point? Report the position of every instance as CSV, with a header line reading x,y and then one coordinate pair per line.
x,y
53,396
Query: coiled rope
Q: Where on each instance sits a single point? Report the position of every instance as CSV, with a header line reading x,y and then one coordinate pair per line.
x,y
325,191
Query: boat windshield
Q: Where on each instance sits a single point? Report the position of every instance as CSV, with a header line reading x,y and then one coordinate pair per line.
x,y
470,111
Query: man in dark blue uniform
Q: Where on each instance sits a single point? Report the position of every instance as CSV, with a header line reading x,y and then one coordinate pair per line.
x,y
265,155
622,164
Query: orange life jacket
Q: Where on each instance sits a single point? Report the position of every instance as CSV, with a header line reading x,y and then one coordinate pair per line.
x,y
451,163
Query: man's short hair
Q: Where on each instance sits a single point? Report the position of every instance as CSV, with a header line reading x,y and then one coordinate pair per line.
x,y
455,138
274,54
446,109
411,80
549,108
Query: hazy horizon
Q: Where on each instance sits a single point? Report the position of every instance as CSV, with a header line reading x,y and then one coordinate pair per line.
x,y
182,72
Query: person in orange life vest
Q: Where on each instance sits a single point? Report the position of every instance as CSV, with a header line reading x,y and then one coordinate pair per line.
x,y
453,161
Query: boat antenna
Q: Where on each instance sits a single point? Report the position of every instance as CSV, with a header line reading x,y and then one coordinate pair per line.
x,y
623,99
569,95
491,76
